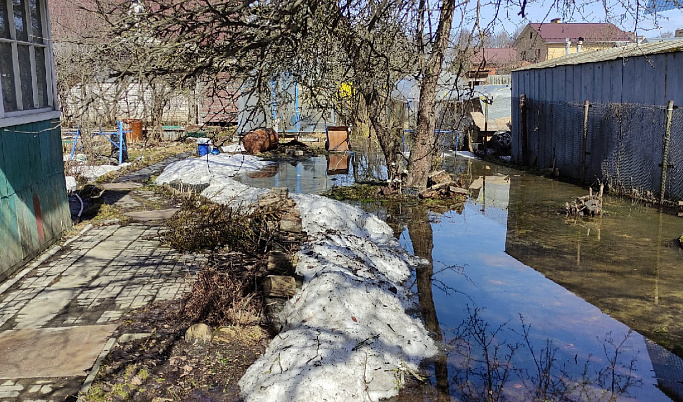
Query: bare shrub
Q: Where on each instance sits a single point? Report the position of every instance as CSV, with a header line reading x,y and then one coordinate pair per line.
x,y
222,298
204,225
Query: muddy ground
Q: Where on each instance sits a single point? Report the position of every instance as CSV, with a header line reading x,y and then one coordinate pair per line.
x,y
162,366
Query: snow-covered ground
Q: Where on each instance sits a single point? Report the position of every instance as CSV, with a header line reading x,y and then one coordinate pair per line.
x,y
346,334
93,172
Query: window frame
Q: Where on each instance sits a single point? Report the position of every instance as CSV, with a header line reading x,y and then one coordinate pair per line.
x,y
51,109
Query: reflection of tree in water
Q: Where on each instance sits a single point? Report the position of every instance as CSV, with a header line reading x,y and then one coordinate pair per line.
x,y
420,231
483,365
368,162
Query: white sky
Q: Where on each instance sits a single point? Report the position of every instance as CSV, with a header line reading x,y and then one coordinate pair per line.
x,y
585,11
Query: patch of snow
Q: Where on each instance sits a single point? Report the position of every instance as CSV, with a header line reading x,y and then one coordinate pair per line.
x,y
467,154
233,148
93,172
210,169
346,334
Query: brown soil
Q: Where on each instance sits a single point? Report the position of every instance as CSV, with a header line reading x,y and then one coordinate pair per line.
x,y
164,367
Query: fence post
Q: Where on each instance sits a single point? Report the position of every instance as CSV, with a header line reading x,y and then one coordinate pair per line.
x,y
582,166
524,139
665,151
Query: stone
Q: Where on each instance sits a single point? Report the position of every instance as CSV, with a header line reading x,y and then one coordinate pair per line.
x,y
291,224
121,186
153,215
438,177
198,333
458,190
277,260
279,286
274,307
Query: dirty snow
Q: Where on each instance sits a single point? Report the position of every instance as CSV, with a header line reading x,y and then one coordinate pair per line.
x,y
233,148
467,154
93,172
217,171
346,333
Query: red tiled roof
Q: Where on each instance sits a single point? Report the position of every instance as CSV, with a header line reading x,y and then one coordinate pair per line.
x,y
590,32
495,56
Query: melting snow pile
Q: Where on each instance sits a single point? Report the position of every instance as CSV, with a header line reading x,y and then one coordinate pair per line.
x,y
216,171
346,334
93,172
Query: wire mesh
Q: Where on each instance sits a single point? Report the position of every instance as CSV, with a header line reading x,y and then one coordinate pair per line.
x,y
622,145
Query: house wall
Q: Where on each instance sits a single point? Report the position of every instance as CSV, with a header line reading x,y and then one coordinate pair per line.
x,y
626,121
34,209
109,101
530,46
559,49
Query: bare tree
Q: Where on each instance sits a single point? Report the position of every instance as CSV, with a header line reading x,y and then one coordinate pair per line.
x,y
322,44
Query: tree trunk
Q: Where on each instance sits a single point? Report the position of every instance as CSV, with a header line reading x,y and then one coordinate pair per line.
x,y
387,137
424,143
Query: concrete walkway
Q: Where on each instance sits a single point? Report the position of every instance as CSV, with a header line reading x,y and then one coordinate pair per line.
x,y
57,315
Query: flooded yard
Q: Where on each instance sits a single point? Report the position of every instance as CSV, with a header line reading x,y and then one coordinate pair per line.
x,y
531,304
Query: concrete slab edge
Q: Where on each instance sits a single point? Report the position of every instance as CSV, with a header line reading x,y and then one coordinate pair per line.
x,y
96,368
39,260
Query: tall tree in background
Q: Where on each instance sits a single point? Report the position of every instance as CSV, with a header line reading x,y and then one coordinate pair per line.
x,y
322,44
424,143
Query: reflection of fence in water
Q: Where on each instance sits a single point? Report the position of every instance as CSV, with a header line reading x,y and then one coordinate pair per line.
x,y
620,144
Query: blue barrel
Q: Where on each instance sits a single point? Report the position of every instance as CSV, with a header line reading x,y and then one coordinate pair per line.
x,y
203,149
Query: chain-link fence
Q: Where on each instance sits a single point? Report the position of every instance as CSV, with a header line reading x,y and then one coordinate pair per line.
x,y
622,145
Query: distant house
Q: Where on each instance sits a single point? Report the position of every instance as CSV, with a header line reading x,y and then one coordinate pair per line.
x,y
544,41
34,209
490,61
210,101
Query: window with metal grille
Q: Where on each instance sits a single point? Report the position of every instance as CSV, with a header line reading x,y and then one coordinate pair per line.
x,y
25,59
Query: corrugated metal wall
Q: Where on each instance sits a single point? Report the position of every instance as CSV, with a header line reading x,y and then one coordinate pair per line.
x,y
34,208
626,120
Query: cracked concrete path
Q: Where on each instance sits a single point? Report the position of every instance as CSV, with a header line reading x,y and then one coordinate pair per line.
x,y
57,314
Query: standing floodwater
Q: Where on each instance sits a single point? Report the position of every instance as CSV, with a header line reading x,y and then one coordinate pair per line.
x,y
533,305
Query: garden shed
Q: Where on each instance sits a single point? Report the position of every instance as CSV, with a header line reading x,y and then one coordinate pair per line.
x,y
612,116
34,208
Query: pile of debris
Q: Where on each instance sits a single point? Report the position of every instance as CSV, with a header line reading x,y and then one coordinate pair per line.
x,y
588,205
283,220
442,185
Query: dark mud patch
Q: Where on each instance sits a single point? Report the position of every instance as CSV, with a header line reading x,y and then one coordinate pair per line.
x,y
151,360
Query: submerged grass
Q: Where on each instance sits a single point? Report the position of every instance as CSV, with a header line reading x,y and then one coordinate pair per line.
x,y
371,193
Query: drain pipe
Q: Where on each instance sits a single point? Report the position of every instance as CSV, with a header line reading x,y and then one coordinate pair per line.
x,y
567,45
81,210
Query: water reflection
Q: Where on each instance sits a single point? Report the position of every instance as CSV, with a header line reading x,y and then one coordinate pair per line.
x,y
531,304
420,229
513,333
311,176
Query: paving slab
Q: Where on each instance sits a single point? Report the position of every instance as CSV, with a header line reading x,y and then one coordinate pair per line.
x,y
129,185
155,215
51,352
